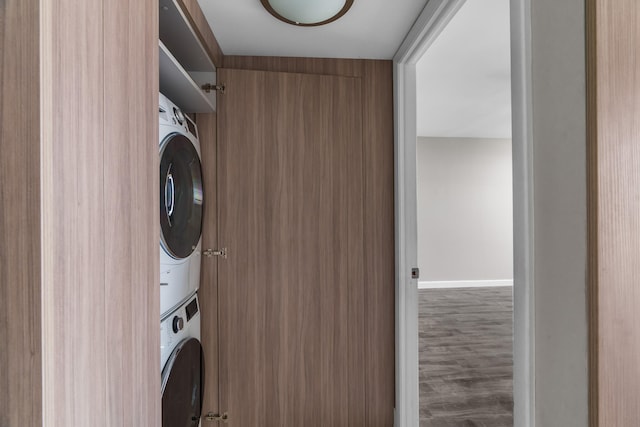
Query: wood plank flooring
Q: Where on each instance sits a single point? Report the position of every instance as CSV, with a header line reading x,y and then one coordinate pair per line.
x,y
466,357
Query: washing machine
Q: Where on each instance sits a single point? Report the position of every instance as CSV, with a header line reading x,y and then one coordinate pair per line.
x,y
181,204
182,362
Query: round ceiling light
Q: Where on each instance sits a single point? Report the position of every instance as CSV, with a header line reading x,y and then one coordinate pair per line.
x,y
307,13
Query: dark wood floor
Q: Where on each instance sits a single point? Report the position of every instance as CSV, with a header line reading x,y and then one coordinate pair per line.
x,y
466,357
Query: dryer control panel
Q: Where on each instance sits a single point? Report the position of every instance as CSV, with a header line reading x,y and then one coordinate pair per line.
x,y
170,114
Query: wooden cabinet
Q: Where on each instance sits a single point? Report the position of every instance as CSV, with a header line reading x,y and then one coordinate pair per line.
x,y
79,249
613,117
303,308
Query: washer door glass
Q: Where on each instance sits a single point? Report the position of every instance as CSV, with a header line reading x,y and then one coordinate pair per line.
x,y
183,385
181,196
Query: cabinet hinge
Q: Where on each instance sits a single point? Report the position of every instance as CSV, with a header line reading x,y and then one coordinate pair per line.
x,y
208,87
222,253
221,418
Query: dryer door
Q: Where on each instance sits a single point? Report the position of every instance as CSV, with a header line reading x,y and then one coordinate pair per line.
x,y
181,196
183,385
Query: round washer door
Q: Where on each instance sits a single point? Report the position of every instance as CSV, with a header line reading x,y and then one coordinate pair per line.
x,y
181,196
183,385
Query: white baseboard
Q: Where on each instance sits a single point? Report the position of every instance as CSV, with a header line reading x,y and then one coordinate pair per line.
x,y
464,284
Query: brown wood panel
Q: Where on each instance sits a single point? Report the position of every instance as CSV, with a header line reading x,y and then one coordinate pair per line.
x,y
20,243
74,345
131,199
379,256
100,238
201,25
379,239
290,213
208,293
614,117
327,66
79,233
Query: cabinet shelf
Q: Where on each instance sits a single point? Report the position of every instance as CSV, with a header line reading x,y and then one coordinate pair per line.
x,y
180,87
185,64
180,38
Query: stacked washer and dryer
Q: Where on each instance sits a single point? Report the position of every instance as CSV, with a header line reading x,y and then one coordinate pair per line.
x,y
181,204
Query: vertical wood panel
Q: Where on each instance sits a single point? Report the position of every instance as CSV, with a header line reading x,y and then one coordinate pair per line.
x,y
118,232
74,347
378,173
208,293
130,211
78,223
614,111
350,234
379,250
20,243
100,233
291,215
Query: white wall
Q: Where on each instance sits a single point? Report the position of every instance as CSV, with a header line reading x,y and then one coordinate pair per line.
x,y
465,209
558,156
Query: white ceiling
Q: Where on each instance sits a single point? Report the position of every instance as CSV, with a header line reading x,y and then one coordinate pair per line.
x,y
371,29
463,79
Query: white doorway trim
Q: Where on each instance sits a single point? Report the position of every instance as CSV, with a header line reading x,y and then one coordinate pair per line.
x,y
433,19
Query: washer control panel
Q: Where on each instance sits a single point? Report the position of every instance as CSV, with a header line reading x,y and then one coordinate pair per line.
x,y
178,325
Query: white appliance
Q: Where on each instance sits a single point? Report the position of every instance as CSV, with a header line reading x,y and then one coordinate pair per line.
x,y
182,362
181,203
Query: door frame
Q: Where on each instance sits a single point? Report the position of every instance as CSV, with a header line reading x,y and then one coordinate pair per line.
x,y
433,19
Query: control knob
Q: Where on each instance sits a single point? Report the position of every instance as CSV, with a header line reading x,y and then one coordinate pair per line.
x,y
178,324
178,114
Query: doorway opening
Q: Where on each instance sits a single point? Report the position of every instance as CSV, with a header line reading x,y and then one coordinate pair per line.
x,y
465,221
435,18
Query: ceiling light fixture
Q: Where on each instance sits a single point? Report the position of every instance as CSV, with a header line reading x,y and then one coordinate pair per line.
x,y
307,13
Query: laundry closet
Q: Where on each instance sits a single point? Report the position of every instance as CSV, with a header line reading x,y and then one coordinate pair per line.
x,y
295,288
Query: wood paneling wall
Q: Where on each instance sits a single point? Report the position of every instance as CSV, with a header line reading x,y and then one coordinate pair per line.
x,y
20,240
73,316
613,32
379,244
208,292
292,289
78,225
130,206
378,172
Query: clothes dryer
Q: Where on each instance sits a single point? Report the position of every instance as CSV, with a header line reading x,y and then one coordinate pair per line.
x,y
182,362
181,204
